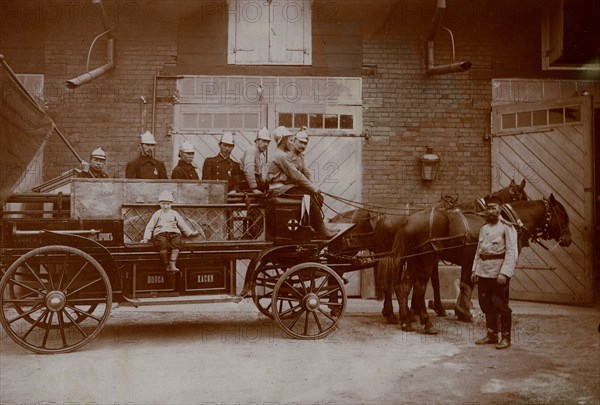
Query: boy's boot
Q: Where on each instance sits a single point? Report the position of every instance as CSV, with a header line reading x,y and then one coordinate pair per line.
x,y
172,267
506,326
491,322
164,258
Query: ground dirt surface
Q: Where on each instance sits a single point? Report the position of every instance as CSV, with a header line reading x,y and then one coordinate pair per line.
x,y
231,354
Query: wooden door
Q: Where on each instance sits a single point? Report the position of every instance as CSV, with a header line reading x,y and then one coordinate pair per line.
x,y
550,145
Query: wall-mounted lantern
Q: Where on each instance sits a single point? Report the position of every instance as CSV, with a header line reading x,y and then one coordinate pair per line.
x,y
429,165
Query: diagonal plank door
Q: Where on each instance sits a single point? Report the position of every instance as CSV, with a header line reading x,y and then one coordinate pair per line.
x,y
549,144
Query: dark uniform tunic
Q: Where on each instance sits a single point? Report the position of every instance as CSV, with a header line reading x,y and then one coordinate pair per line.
x,y
97,174
145,167
184,171
221,168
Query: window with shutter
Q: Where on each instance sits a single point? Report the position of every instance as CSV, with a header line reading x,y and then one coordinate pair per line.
x,y
270,32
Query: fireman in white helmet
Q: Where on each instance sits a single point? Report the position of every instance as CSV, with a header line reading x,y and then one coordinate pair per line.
x,y
286,179
299,145
185,169
164,229
146,166
253,161
222,166
95,167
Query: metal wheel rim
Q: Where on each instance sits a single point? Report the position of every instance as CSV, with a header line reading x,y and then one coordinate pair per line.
x,y
50,318
299,286
266,278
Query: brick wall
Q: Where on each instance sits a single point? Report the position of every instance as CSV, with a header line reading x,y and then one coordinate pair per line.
x,y
108,111
406,111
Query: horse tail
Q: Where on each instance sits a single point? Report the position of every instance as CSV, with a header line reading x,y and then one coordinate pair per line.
x,y
388,272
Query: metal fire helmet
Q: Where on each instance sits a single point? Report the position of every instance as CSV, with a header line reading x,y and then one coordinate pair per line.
x,y
165,195
429,165
281,132
147,138
302,136
187,147
264,134
227,138
98,154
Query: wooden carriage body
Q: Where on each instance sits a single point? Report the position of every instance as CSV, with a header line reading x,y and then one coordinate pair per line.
x,y
77,259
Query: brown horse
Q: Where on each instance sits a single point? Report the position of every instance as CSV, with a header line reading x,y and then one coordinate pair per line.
x,y
434,234
377,232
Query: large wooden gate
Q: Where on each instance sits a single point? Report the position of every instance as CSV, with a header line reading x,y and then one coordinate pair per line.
x,y
550,145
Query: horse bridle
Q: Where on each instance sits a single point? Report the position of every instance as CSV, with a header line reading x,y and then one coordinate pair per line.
x,y
541,231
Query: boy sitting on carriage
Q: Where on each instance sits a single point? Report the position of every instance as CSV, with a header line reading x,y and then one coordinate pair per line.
x,y
164,228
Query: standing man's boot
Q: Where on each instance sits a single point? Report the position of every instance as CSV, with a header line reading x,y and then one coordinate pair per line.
x,y
506,323
164,258
172,267
491,321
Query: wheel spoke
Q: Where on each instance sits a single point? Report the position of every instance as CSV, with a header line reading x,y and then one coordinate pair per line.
x,y
329,292
89,301
82,312
37,321
312,280
13,281
49,272
31,311
65,268
84,287
327,315
296,319
47,330
318,322
323,283
61,326
306,323
76,325
298,293
36,276
76,275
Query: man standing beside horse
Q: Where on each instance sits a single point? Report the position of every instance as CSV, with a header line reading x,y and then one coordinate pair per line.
x,y
493,268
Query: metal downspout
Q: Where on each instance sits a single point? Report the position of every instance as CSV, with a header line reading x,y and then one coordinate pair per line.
x,y
95,73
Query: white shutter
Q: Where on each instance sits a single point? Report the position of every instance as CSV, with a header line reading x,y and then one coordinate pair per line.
x,y
248,32
290,33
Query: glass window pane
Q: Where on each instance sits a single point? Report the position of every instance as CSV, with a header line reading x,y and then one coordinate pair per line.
x,y
572,114
524,119
540,117
251,121
189,121
221,121
285,119
346,121
236,120
556,115
205,121
509,121
331,121
300,120
316,121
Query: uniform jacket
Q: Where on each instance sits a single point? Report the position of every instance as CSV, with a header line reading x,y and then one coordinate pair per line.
x,y
184,171
145,167
499,238
252,165
283,169
221,168
97,174
298,159
161,222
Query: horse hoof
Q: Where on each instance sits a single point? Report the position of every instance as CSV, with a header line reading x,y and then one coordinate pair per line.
x,y
465,318
431,331
407,327
392,320
336,312
440,312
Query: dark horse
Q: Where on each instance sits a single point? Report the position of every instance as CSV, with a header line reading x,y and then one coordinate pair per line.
x,y
377,232
452,235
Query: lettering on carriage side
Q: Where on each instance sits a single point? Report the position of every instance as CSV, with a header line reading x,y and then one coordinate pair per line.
x,y
156,279
206,278
105,236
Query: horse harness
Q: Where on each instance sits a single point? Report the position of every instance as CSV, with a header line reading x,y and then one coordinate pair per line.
x,y
542,232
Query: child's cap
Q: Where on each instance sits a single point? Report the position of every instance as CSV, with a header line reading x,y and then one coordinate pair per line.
x,y
165,196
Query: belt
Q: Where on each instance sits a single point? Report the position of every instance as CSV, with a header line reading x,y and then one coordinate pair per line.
x,y
486,256
275,185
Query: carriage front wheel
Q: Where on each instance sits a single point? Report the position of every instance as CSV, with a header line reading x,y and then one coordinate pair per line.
x,y
54,299
314,298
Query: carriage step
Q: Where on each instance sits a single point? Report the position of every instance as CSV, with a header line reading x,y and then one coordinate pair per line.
x,y
182,299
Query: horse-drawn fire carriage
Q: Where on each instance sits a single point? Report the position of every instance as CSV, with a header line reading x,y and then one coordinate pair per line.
x,y
63,273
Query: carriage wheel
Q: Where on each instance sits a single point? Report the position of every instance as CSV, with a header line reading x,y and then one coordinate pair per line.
x,y
49,299
263,283
316,299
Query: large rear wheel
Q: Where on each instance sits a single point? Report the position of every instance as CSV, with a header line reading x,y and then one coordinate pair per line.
x,y
55,299
308,301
